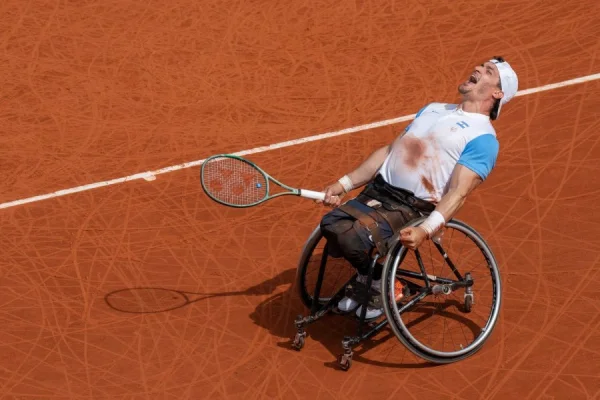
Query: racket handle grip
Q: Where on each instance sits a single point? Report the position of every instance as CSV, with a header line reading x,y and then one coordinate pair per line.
x,y
312,195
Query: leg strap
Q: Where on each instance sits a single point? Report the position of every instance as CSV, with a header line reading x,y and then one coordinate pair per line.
x,y
396,217
369,221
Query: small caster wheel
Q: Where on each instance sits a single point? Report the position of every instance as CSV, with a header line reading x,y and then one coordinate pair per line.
x,y
345,362
298,343
468,303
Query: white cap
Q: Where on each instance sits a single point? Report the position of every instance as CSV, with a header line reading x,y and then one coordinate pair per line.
x,y
508,81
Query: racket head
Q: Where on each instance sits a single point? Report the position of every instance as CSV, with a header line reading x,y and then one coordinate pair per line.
x,y
234,181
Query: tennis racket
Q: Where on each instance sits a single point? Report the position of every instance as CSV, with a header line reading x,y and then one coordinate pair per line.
x,y
236,182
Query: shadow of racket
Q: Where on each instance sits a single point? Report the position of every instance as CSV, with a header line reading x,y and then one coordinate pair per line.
x,y
152,300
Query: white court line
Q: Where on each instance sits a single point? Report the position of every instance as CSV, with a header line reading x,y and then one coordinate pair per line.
x,y
151,175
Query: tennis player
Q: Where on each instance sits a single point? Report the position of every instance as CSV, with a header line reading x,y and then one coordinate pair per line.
x,y
440,158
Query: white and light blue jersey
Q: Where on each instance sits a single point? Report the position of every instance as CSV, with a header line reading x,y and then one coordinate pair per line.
x,y
440,136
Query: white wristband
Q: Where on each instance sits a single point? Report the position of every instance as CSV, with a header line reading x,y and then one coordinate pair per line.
x,y
346,183
434,222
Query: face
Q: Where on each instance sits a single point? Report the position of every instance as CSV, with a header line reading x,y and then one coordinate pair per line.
x,y
483,84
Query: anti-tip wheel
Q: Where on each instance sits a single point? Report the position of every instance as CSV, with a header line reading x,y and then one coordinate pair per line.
x,y
344,362
299,340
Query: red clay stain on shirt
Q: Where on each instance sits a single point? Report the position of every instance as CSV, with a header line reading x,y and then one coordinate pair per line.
x,y
428,185
414,151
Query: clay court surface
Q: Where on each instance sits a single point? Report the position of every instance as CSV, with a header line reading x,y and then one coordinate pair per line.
x,y
97,90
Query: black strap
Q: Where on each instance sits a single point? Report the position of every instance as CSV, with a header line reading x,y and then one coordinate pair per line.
x,y
401,203
369,222
383,212
380,190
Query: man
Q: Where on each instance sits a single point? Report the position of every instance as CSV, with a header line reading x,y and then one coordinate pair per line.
x,y
441,157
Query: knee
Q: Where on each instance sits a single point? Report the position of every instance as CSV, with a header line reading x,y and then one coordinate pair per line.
x,y
334,224
355,239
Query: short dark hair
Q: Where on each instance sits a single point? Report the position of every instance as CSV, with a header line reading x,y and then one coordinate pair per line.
x,y
494,111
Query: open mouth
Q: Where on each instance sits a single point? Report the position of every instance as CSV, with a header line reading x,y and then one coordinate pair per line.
x,y
473,79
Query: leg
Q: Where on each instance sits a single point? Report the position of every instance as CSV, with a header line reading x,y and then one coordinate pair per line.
x,y
348,238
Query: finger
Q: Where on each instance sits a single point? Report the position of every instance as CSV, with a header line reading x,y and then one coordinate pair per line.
x,y
330,195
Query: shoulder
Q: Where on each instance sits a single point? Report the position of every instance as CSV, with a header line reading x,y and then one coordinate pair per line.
x,y
480,153
486,142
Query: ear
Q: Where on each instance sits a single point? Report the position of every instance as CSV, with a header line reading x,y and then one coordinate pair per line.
x,y
498,94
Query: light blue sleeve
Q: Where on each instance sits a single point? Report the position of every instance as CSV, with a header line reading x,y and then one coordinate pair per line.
x,y
480,154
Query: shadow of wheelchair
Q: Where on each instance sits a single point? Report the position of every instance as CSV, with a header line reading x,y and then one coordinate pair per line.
x,y
276,314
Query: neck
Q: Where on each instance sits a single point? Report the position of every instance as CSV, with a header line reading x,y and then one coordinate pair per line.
x,y
473,106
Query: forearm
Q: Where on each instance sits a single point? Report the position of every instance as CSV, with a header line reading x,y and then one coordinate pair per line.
x,y
445,210
369,168
450,203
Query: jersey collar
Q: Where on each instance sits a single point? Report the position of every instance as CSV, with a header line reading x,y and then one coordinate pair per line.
x,y
460,111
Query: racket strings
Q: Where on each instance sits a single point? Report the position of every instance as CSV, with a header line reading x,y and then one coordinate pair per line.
x,y
234,181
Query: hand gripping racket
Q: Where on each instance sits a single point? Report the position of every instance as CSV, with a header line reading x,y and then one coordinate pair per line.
x,y
236,182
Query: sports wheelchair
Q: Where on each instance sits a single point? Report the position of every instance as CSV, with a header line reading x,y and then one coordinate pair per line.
x,y
446,287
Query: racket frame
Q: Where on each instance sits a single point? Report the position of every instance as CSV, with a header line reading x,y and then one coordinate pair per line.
x,y
290,190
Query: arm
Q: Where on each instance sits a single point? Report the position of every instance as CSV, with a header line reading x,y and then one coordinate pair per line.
x,y
473,167
363,174
367,170
360,176
462,182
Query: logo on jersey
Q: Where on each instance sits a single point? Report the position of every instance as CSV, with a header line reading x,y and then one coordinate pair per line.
x,y
462,124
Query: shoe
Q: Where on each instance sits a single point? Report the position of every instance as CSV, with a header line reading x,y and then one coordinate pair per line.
x,y
348,303
376,312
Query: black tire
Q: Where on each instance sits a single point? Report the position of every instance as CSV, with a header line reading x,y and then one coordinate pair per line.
x,y
338,272
392,263
307,298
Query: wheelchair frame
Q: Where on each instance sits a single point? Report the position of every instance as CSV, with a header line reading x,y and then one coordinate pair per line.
x,y
394,258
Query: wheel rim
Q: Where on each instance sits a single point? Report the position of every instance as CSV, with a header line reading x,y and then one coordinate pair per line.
x,y
398,323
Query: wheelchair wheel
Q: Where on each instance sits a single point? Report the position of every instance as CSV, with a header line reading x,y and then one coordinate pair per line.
x,y
337,273
455,294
